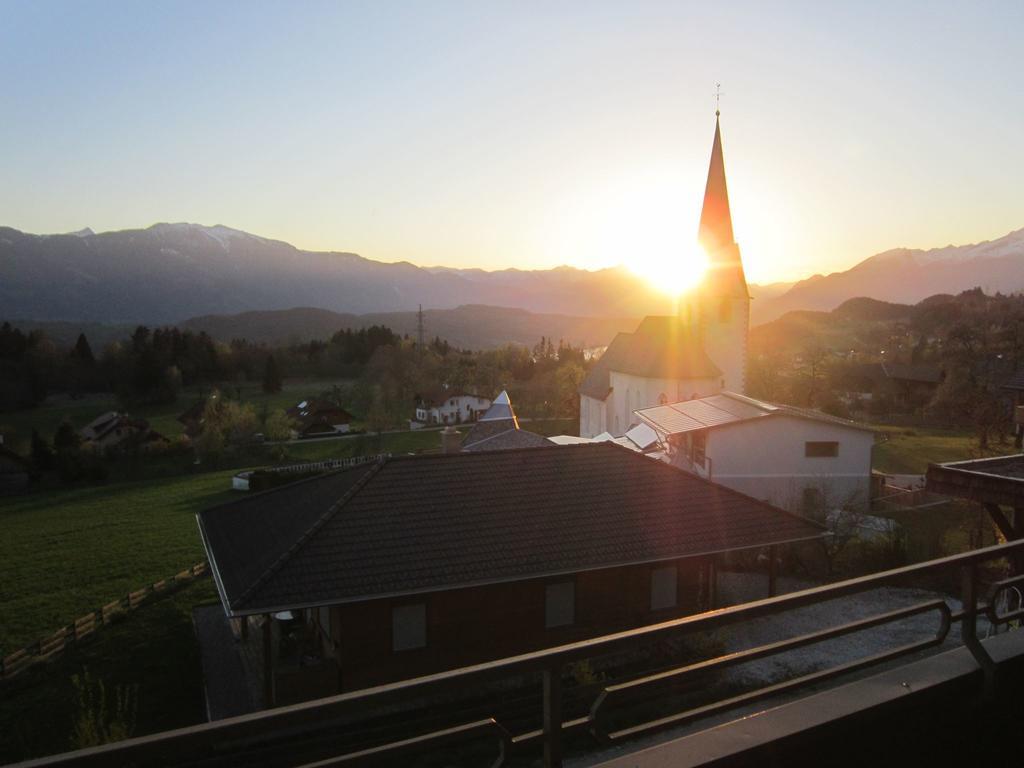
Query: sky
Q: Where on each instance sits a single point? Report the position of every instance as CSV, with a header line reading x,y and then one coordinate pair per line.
x,y
524,135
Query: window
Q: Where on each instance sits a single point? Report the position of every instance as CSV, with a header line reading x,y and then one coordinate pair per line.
x,y
821,450
560,604
663,588
409,627
699,445
662,399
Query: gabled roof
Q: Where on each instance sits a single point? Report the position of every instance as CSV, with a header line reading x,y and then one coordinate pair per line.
x,y
425,523
925,373
662,347
312,411
727,408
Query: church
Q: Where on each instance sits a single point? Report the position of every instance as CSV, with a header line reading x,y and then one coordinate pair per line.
x,y
700,351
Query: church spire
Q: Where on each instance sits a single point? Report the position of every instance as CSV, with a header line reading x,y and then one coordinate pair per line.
x,y
725,274
715,219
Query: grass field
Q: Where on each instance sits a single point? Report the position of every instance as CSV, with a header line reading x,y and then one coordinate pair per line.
x,y
910,450
152,650
70,550
67,552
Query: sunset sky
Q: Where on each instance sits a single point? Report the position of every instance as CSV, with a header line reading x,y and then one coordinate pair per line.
x,y
526,135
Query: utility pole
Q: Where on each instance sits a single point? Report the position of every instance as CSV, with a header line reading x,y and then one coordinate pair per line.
x,y
419,330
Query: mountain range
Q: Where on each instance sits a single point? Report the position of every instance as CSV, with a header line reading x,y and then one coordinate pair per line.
x,y
907,276
168,273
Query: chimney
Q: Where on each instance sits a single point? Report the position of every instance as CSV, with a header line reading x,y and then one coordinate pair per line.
x,y
451,440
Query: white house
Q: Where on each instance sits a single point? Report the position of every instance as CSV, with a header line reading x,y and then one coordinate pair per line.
x,y
450,408
796,458
698,352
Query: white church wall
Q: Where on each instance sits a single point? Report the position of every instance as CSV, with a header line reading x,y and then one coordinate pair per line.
x,y
725,330
592,416
630,393
766,459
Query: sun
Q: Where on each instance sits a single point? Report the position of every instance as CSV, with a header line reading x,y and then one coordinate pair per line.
x,y
672,273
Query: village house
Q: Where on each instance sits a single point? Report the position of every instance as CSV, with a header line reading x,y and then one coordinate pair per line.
x,y
450,408
795,458
901,387
700,351
112,431
417,564
318,418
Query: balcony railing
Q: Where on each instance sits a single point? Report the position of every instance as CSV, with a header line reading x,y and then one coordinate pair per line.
x,y
301,734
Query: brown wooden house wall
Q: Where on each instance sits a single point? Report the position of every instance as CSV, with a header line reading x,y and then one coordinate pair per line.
x,y
477,624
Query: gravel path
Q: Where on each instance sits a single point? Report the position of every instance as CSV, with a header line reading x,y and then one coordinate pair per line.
x,y
742,587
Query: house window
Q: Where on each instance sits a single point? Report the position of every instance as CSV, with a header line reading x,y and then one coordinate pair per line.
x,y
662,399
663,588
560,604
820,450
699,446
409,627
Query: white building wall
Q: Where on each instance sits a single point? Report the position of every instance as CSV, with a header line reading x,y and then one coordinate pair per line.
x,y
592,416
458,409
630,393
765,458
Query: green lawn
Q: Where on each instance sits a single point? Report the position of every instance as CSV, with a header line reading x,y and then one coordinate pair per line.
x,y
67,552
152,649
910,450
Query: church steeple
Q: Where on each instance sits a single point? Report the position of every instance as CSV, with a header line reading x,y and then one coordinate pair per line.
x,y
715,219
725,274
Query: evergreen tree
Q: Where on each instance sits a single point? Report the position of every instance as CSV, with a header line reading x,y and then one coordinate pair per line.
x,y
82,352
271,376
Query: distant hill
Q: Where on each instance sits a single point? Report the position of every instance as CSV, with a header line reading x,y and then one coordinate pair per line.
x,y
906,276
468,327
169,272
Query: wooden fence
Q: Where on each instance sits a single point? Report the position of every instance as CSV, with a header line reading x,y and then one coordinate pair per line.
x,y
84,626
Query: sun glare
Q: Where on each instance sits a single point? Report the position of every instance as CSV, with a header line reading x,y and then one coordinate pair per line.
x,y
672,274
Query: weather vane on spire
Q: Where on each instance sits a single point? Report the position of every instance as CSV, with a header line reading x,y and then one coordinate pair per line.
x,y
718,95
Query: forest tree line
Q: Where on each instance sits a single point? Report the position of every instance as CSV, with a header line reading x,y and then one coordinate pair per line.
x,y
388,372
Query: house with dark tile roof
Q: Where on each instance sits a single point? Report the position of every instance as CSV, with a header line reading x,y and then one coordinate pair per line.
x,y
418,564
316,418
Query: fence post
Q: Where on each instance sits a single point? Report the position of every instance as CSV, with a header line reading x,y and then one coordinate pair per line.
x,y
553,716
969,629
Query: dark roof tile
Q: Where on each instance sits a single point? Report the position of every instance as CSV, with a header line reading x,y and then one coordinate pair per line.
x,y
436,522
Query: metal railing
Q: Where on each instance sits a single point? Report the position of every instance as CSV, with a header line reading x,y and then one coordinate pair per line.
x,y
294,735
